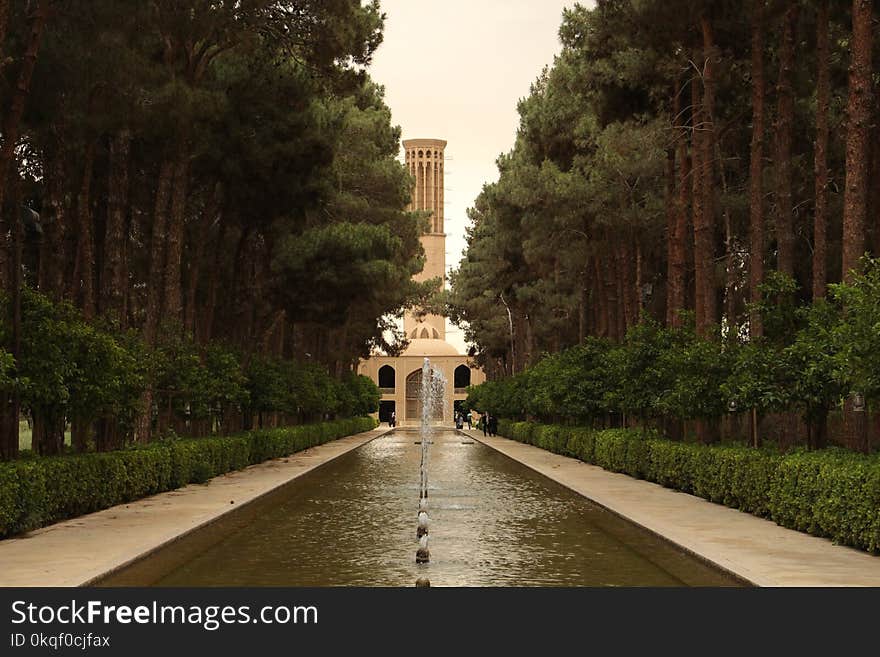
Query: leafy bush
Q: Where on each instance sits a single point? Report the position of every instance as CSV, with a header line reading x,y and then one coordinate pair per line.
x,y
832,493
38,492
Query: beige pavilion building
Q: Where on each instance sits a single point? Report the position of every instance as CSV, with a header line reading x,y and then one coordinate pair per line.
x,y
399,377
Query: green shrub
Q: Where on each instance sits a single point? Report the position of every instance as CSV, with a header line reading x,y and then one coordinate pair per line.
x,y
611,449
794,491
832,493
670,464
37,492
582,444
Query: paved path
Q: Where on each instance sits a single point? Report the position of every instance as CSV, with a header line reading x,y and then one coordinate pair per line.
x,y
755,549
77,551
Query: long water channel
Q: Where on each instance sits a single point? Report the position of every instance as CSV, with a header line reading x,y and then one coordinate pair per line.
x,y
351,522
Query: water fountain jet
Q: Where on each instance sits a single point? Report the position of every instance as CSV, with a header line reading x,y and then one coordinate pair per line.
x,y
432,391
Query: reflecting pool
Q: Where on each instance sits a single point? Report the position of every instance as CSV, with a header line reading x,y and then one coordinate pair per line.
x,y
351,522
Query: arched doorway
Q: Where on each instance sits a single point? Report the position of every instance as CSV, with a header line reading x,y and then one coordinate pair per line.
x,y
462,377
414,399
386,408
386,377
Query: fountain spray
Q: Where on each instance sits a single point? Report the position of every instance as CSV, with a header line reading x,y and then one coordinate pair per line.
x,y
423,555
432,386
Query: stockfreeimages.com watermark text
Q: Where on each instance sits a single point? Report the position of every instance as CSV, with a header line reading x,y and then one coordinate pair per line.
x,y
208,617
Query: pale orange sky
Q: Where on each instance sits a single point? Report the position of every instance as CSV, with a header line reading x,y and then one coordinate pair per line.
x,y
454,70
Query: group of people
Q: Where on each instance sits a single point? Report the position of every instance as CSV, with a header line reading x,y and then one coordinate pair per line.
x,y
487,422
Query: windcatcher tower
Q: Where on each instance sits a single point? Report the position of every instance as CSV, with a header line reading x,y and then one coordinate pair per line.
x,y
425,159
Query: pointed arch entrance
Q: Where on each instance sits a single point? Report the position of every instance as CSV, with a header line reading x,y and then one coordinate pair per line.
x,y
414,399
462,377
386,377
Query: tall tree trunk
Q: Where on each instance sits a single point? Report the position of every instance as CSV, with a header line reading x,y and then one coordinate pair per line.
x,y
113,282
638,285
684,200
209,216
85,269
823,99
238,287
129,309
855,195
731,268
12,119
677,247
52,251
154,288
603,321
756,171
858,120
157,252
620,277
173,309
707,229
673,284
207,328
11,401
783,134
702,242
4,23
582,304
528,353
704,219
872,205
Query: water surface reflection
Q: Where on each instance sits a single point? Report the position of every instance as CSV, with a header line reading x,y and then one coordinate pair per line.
x,y
351,522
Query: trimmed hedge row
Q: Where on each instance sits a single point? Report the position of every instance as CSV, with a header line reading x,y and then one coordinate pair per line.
x,y
38,492
832,493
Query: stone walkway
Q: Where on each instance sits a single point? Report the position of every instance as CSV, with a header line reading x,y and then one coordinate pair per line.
x,y
77,551
755,549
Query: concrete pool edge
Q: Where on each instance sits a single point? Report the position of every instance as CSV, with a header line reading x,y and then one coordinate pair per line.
x,y
83,550
753,549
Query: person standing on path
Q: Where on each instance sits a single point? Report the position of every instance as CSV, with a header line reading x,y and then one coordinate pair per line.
x,y
493,425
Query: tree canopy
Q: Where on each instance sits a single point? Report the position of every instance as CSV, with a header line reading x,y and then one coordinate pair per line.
x,y
204,186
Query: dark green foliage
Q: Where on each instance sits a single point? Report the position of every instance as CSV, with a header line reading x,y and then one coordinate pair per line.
x,y
363,395
636,374
38,492
857,340
832,493
653,372
73,369
816,355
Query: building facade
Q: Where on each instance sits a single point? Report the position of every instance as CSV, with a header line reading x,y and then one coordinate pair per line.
x,y
399,377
